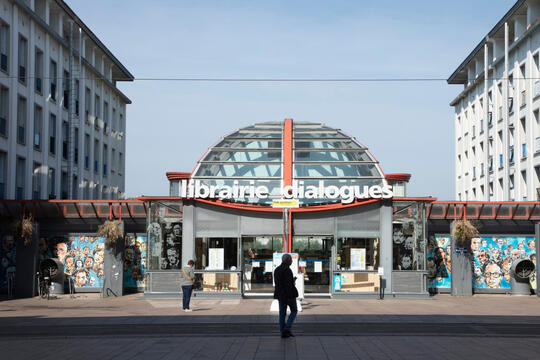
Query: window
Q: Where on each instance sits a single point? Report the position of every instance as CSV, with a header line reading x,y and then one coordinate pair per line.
x,y
52,134
51,183
38,121
53,74
524,150
96,155
491,163
474,172
105,117
511,182
64,185
65,135
225,250
481,125
482,169
19,178
511,155
97,107
4,46
473,131
77,95
23,58
114,125
523,98
86,151
21,120
65,88
491,188
120,163
38,71
113,160
3,174
524,184
76,145
105,154
4,110
87,105
36,182
500,160
347,248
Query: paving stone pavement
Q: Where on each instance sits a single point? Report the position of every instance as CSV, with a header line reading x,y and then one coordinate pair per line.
x,y
131,327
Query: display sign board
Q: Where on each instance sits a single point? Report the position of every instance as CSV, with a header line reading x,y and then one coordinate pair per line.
x,y
216,259
285,203
380,271
358,259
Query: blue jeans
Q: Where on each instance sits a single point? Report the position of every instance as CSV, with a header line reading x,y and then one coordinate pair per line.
x,y
186,296
283,312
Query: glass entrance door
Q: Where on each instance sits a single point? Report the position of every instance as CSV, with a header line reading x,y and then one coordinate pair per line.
x,y
314,261
257,257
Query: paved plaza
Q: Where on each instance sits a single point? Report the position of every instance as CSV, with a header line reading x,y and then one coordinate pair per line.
x,y
132,327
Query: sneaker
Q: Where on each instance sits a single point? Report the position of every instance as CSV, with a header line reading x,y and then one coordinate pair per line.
x,y
188,310
284,335
288,333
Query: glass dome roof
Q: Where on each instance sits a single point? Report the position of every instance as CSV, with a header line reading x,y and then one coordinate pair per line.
x,y
255,154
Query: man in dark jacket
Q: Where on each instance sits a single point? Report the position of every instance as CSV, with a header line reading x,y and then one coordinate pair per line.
x,y
285,292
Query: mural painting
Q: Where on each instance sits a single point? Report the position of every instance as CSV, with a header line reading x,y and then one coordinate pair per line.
x,y
135,261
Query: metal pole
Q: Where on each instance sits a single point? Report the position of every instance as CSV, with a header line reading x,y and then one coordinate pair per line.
x,y
285,229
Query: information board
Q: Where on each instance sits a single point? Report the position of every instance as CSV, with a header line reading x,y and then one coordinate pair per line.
x,y
216,259
358,259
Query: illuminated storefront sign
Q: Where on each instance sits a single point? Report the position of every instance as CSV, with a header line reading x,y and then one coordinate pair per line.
x,y
346,193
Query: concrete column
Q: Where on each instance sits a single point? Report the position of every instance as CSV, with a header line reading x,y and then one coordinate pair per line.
x,y
188,232
113,281
386,242
461,268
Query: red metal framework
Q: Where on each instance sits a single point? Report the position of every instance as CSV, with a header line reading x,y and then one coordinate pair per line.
x,y
75,209
484,210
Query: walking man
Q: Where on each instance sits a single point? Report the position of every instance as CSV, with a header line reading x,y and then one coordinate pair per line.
x,y
186,281
285,292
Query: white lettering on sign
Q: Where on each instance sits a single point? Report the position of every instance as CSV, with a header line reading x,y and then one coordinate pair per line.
x,y
347,193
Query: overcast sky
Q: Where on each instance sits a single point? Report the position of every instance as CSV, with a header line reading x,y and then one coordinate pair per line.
x,y
407,126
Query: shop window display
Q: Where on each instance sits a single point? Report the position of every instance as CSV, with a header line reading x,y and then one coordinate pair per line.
x,y
357,254
216,254
409,242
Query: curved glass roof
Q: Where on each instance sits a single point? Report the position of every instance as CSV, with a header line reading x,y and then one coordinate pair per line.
x,y
255,154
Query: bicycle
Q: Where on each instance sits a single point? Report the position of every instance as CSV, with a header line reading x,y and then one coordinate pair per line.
x,y
44,285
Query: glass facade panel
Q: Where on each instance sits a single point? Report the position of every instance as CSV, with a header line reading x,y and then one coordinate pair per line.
x,y
313,134
330,156
250,144
240,170
326,144
255,134
243,156
335,170
216,254
347,254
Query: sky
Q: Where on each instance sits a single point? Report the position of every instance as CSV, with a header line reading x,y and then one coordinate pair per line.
x,y
407,126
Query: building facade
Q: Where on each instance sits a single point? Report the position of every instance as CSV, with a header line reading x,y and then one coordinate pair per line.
x,y
62,118
497,130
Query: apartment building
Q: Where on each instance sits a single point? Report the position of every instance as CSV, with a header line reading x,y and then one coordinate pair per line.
x,y
62,118
497,130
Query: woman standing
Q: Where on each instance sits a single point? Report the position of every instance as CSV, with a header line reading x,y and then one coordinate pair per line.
x,y
187,279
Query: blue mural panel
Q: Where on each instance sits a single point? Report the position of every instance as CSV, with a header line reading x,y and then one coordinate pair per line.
x,y
135,261
439,262
82,256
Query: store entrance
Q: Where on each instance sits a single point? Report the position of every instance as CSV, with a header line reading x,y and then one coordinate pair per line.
x,y
257,261
315,253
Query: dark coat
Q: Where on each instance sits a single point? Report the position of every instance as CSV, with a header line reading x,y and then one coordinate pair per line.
x,y
284,283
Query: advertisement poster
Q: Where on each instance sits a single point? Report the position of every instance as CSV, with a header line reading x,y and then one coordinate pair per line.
x,y
337,282
216,259
358,259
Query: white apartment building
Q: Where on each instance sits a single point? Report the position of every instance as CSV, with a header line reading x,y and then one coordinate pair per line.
x,y
497,130
62,118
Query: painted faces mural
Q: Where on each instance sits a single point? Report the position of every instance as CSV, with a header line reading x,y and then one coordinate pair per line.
x,y
82,256
8,251
493,259
134,261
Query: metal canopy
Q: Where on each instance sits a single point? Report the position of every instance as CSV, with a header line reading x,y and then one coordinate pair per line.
x,y
478,210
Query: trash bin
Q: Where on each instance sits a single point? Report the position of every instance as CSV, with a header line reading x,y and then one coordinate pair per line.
x,y
520,272
54,269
